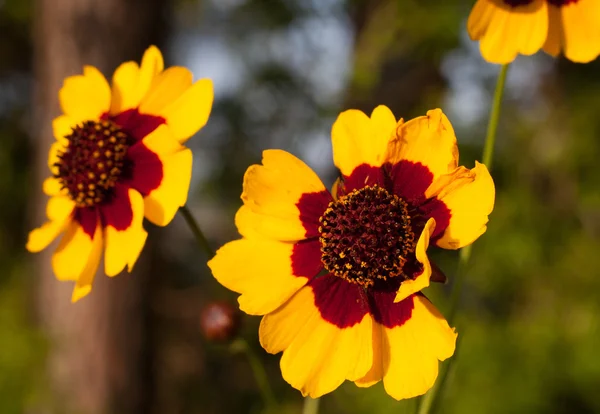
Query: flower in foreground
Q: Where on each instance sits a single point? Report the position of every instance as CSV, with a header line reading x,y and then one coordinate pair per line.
x,y
510,27
118,157
338,275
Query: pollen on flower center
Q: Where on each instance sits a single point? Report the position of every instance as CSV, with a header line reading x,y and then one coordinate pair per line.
x,y
93,161
366,235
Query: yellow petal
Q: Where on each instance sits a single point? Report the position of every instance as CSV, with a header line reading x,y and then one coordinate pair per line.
x,y
187,114
271,194
377,370
358,139
52,187
469,195
73,253
335,187
83,285
162,203
261,270
581,30
554,40
161,141
59,211
55,149
63,126
506,31
408,287
165,89
317,355
123,247
85,97
152,65
132,82
480,18
410,353
428,140
125,93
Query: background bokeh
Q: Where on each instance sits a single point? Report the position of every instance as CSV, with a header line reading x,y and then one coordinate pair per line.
x,y
283,69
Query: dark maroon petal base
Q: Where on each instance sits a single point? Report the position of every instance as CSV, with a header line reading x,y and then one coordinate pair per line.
x,y
341,303
345,304
117,213
136,125
440,212
406,179
87,219
306,258
388,313
311,207
410,180
364,175
146,169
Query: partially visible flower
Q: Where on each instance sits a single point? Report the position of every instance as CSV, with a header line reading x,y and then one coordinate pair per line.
x,y
338,275
118,157
510,27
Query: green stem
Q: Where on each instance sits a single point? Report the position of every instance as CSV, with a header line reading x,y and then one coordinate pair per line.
x,y
195,228
429,401
311,405
260,375
490,139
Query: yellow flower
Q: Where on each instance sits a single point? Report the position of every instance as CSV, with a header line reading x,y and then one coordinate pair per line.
x,y
118,157
338,275
509,27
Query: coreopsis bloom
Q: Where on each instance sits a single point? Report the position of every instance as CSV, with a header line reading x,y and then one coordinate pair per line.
x,y
338,275
510,27
118,157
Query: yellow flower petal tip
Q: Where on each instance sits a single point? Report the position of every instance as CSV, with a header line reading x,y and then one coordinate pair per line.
x,y
338,277
508,28
139,168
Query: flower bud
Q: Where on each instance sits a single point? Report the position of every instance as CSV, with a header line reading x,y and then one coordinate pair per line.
x,y
220,321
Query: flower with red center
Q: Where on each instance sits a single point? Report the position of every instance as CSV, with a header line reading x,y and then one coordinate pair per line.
x,y
506,28
118,157
338,275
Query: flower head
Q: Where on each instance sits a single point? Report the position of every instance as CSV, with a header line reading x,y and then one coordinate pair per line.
x,y
510,27
118,157
338,275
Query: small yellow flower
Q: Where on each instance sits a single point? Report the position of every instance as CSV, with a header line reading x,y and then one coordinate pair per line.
x,y
510,27
118,157
338,275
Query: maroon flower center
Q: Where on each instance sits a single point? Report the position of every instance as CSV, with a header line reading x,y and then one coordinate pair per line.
x,y
366,235
558,3
93,161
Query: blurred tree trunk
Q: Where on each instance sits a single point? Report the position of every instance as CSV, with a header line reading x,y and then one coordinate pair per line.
x,y
98,352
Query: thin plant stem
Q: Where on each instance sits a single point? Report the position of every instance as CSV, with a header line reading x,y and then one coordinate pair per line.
x,y
311,405
490,139
195,228
429,401
258,370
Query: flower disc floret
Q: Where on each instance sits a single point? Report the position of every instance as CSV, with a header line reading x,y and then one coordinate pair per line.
x,y
93,161
366,235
